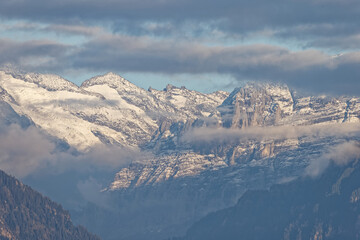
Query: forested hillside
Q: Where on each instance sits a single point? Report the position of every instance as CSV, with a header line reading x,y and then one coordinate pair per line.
x,y
26,214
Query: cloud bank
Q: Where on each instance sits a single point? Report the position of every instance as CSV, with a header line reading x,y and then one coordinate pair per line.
x,y
24,151
67,176
29,151
307,18
311,70
226,135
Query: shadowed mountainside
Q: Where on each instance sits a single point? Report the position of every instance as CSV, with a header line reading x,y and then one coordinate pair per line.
x,y
323,208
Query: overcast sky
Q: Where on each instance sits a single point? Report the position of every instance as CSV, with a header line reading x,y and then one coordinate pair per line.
x,y
311,45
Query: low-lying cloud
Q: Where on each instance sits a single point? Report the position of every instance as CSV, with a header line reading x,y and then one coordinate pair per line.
x,y
91,190
341,154
226,135
29,151
24,151
70,177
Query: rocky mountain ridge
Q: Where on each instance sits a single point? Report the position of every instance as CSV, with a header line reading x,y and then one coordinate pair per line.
x,y
246,115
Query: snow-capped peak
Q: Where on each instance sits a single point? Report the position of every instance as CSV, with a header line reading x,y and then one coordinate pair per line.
x,y
111,79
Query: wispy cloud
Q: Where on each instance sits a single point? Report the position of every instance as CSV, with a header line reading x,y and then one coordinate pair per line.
x,y
225,135
340,154
75,29
24,151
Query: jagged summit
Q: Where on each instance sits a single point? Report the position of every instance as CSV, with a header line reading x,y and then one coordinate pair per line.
x,y
170,87
254,90
111,79
256,104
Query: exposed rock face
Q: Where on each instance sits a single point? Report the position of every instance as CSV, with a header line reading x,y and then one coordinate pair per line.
x,y
26,214
257,105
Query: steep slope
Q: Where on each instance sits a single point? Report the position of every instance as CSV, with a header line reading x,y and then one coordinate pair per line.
x,y
324,208
26,214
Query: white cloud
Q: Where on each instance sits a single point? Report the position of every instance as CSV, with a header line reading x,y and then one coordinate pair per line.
x,y
24,151
29,151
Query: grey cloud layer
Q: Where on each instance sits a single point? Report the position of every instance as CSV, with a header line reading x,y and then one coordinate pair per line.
x,y
244,14
33,55
286,18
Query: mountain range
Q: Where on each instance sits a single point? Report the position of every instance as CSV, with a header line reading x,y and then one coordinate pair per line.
x,y
178,154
